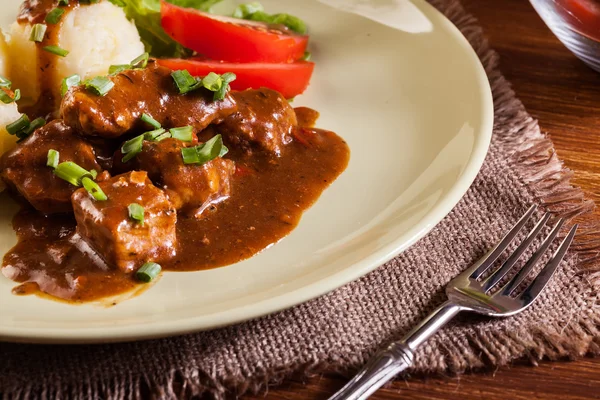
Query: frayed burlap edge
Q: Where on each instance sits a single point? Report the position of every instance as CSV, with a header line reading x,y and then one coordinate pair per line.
x,y
542,173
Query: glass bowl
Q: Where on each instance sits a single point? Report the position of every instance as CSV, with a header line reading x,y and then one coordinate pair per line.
x,y
576,23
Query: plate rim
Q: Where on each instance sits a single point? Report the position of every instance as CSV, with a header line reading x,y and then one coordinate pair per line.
x,y
352,272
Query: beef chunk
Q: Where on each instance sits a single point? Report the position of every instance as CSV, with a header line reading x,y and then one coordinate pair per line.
x,y
264,119
190,187
121,241
24,168
150,90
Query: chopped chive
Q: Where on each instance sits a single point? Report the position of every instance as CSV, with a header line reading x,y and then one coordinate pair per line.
x,y
140,61
56,50
54,16
204,152
148,272
150,121
53,157
229,77
307,56
212,82
99,85
69,82
118,3
93,189
132,148
185,133
6,99
5,83
136,212
185,82
155,134
115,69
71,172
18,125
63,2
37,33
190,155
165,135
35,124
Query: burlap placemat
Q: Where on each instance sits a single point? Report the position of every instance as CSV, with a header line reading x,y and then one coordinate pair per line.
x,y
341,330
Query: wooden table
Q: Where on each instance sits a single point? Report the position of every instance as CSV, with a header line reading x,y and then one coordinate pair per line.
x,y
564,95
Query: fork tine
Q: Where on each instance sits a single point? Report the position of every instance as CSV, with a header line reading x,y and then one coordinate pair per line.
x,y
486,261
522,274
497,276
538,284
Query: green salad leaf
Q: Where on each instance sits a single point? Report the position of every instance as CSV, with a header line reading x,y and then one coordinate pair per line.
x,y
255,12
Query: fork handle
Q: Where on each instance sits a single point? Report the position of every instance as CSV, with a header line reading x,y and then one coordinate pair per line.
x,y
396,357
380,369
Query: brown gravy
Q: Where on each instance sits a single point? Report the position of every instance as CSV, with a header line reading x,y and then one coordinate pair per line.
x,y
269,197
34,12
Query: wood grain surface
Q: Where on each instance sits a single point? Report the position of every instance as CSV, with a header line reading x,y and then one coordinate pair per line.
x,y
564,95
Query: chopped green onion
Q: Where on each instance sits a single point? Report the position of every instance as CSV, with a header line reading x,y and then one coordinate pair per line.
x,y
69,82
245,10
150,121
54,16
56,50
229,77
19,125
88,1
99,85
118,3
6,99
185,133
63,2
212,82
185,82
148,272
204,152
37,33
132,148
94,173
155,134
71,172
307,56
115,69
53,157
190,155
165,135
35,124
140,61
136,212
5,83
94,189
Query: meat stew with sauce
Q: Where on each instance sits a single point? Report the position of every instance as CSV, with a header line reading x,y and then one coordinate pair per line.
x,y
218,182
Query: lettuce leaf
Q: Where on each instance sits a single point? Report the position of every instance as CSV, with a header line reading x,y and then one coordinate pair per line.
x,y
146,16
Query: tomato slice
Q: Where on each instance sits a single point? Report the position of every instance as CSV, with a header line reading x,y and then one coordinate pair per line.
x,y
288,79
231,39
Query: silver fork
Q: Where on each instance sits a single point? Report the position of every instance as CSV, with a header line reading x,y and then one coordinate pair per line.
x,y
468,292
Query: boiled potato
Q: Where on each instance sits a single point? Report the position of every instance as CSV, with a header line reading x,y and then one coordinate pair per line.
x,y
96,36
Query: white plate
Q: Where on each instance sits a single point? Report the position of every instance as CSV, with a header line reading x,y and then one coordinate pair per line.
x,y
416,109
